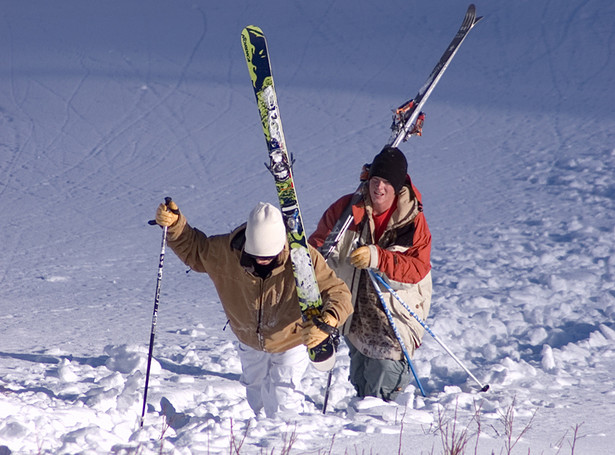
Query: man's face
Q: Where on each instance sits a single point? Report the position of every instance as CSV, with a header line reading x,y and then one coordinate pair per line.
x,y
382,194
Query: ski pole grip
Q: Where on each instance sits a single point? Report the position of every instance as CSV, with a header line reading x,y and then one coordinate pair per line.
x,y
167,201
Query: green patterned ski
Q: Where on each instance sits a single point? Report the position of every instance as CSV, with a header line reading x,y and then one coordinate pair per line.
x,y
310,301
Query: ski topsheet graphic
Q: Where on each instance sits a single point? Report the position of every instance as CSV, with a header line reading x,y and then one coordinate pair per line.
x,y
310,301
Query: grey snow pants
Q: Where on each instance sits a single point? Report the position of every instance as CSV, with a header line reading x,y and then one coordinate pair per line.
x,y
380,378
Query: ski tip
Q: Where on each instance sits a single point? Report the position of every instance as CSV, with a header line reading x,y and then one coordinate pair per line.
x,y
471,12
253,29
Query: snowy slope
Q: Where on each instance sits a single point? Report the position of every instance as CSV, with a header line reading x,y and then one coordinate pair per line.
x,y
108,107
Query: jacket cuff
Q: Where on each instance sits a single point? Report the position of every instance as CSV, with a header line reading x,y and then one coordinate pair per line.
x,y
175,230
373,257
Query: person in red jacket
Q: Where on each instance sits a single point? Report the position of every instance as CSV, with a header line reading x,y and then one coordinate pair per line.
x,y
389,235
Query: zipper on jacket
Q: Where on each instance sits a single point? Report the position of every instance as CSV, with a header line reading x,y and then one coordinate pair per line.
x,y
259,333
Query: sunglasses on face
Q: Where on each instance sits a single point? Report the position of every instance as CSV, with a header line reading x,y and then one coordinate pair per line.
x,y
262,258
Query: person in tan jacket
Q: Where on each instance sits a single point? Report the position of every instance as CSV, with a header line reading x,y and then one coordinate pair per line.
x,y
252,272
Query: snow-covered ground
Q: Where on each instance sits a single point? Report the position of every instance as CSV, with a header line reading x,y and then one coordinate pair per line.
x,y
106,107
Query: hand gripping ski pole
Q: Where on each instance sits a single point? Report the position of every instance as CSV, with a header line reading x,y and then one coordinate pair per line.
x,y
167,201
374,276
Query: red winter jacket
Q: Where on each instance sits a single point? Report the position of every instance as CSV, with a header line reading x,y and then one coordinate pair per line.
x,y
410,230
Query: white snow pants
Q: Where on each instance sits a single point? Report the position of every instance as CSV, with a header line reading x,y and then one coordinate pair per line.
x,y
273,381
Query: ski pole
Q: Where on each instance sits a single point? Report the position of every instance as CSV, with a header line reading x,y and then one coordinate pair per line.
x,y
327,389
394,327
483,388
329,249
167,200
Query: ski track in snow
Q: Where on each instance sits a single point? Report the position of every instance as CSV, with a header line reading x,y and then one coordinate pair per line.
x,y
515,166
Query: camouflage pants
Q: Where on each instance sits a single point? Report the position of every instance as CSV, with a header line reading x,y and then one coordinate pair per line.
x,y
380,378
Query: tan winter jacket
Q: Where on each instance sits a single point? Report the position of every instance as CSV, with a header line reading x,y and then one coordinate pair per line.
x,y
263,313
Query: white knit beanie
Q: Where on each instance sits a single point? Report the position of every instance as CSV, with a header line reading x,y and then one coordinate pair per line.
x,y
265,232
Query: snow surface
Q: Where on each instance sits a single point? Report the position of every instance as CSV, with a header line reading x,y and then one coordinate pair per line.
x,y
106,107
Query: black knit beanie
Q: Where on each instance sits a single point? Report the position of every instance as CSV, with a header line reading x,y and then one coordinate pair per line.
x,y
390,164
